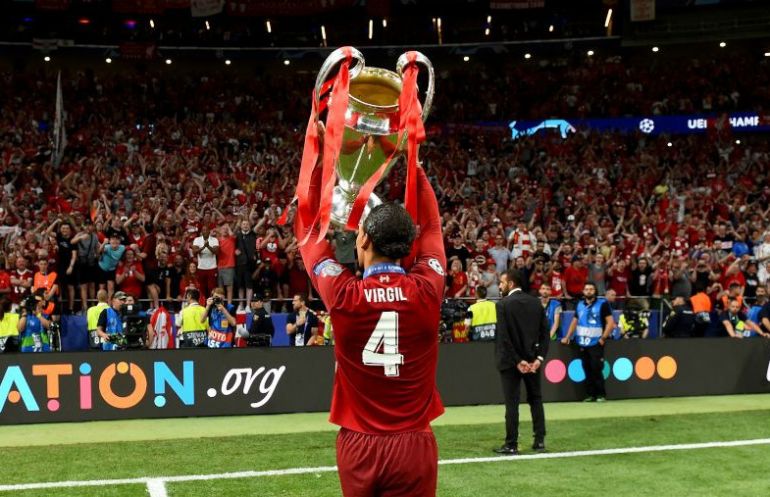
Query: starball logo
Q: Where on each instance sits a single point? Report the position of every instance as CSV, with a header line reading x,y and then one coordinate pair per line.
x,y
645,368
139,382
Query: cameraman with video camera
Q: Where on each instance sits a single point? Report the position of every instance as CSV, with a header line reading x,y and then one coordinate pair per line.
x,y
220,320
33,324
110,324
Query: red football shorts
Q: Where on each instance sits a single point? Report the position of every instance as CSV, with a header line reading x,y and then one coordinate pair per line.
x,y
398,465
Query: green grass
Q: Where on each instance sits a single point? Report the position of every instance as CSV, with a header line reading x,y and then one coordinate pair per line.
x,y
464,432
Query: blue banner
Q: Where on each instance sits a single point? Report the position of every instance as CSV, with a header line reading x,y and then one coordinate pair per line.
x,y
649,125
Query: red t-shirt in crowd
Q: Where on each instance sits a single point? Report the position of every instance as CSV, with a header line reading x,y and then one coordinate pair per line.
x,y
575,279
131,285
226,255
619,281
385,330
556,284
459,280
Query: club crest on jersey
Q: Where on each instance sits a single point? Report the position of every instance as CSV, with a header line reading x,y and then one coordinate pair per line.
x,y
328,268
436,266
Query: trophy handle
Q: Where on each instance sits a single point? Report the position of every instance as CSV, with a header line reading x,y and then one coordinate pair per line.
x,y
421,59
331,62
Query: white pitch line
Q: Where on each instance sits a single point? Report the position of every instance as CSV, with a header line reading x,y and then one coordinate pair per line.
x,y
157,483
157,488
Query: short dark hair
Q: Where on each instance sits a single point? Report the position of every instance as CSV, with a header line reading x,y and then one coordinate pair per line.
x,y
391,229
193,293
481,292
516,277
302,297
590,283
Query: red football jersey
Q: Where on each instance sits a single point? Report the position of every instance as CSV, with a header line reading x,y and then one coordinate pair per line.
x,y
386,330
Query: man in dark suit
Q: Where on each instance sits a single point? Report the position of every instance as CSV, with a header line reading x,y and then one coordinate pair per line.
x,y
520,347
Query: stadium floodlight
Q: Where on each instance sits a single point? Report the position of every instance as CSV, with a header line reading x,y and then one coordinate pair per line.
x,y
655,49
550,28
286,62
722,44
208,26
737,142
269,26
489,19
152,24
323,34
384,23
371,28
466,58
228,62
527,55
168,62
590,53
47,58
486,32
767,54
608,19
108,60
669,144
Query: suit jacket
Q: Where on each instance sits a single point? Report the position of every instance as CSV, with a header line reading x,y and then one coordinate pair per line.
x,y
522,330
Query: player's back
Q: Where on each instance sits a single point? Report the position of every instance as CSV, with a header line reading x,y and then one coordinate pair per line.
x,y
386,331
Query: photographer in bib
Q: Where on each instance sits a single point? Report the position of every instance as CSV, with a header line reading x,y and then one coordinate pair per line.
x,y
33,324
220,319
110,324
9,331
192,321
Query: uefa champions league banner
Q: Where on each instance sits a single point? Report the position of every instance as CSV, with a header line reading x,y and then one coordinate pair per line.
x,y
649,125
80,386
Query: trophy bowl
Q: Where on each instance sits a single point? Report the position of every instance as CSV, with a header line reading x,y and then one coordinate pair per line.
x,y
372,120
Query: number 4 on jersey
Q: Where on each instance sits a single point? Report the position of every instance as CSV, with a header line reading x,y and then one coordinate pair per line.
x,y
385,335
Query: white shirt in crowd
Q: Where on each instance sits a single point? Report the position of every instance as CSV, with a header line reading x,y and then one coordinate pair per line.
x,y
206,258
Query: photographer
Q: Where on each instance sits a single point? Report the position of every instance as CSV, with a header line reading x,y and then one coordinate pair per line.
x,y
92,319
136,324
33,324
192,326
221,321
9,331
110,324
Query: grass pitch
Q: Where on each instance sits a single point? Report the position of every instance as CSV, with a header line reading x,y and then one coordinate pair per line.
x,y
160,448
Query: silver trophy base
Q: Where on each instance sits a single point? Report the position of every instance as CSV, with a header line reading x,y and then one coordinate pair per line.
x,y
342,204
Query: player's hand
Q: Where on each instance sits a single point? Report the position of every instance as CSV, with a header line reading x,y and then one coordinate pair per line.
x,y
523,367
534,366
565,341
737,335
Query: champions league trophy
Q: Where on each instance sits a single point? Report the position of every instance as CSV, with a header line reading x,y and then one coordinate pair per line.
x,y
372,116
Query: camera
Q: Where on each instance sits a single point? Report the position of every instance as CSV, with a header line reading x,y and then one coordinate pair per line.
x,y
216,300
135,322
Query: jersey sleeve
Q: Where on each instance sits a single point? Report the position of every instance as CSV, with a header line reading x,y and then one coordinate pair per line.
x,y
428,258
328,276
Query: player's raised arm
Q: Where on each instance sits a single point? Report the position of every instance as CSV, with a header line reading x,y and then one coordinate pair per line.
x,y
429,246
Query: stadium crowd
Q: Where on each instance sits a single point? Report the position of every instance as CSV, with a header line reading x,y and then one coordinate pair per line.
x,y
173,184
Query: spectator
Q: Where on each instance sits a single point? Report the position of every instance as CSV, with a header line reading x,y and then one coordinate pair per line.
x,y
21,281
158,279
500,254
575,278
129,276
65,267
205,248
86,268
46,282
111,252
226,261
597,272
641,278
490,280
457,280
245,261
